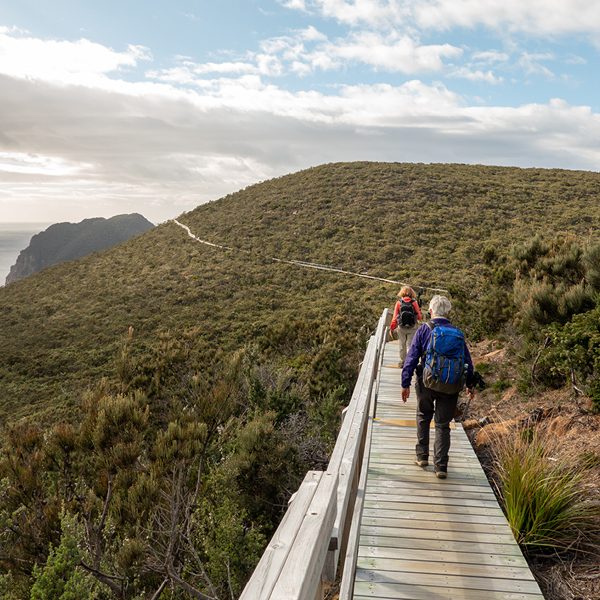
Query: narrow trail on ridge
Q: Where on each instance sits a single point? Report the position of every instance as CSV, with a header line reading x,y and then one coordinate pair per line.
x,y
301,263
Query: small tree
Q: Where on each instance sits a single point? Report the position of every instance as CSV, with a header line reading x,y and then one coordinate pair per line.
x,y
62,578
553,283
574,353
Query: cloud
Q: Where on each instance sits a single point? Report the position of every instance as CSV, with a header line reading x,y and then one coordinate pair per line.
x,y
491,56
390,53
307,51
575,60
530,63
198,131
536,17
28,164
477,75
81,62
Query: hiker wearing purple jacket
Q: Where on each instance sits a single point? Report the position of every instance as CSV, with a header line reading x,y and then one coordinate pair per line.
x,y
430,403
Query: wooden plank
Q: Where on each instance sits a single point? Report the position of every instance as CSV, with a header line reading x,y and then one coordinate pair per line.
x,y
458,463
426,479
368,591
484,555
446,568
415,483
406,465
351,557
396,518
439,545
406,423
460,535
434,580
431,503
452,523
300,576
473,494
265,575
458,469
389,509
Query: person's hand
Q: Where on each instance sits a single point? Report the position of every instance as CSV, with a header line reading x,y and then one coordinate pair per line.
x,y
405,394
471,393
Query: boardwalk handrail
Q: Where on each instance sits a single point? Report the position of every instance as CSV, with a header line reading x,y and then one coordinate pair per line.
x,y
304,551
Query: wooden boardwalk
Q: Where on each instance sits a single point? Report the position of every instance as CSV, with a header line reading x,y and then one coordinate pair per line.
x,y
422,538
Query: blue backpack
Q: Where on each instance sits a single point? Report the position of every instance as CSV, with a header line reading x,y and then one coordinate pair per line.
x,y
444,368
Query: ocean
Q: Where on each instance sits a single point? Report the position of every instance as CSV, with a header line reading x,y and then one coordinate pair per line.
x,y
15,237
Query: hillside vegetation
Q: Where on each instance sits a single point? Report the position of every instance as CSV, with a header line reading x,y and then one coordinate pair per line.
x,y
164,398
425,224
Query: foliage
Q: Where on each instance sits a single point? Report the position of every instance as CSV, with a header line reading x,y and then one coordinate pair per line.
x,y
552,283
552,290
544,495
175,392
62,578
573,353
429,225
134,494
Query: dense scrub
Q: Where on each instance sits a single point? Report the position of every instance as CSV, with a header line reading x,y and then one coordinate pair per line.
x,y
430,225
166,370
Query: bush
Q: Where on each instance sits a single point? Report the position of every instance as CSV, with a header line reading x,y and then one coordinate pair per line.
x,y
573,353
544,494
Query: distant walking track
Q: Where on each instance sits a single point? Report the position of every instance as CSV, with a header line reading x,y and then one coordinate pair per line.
x,y
308,265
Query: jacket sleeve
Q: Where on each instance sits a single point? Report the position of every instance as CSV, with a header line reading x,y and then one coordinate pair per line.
x,y
395,317
413,357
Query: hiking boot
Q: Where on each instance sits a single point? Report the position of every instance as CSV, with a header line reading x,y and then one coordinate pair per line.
x,y
421,461
441,472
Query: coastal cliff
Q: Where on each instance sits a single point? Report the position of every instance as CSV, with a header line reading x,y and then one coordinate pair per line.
x,y
67,241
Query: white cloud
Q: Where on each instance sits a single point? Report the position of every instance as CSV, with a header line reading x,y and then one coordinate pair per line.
x,y
295,4
28,164
207,129
477,75
81,62
391,53
353,12
530,63
575,60
308,50
491,56
538,17
311,34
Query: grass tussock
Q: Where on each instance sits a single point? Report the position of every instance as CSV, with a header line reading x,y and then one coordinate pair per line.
x,y
544,495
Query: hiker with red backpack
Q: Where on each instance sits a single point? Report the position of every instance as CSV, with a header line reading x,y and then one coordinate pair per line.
x,y
441,358
406,319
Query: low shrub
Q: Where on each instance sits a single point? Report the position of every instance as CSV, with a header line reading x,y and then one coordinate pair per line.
x,y
544,494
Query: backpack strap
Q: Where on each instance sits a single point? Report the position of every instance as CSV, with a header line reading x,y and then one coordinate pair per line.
x,y
421,364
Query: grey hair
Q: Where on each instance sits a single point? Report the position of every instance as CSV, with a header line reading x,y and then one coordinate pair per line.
x,y
440,306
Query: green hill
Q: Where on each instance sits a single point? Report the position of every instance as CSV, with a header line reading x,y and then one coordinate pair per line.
x,y
178,391
64,328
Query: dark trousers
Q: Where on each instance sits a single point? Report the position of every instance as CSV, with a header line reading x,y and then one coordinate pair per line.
x,y
440,407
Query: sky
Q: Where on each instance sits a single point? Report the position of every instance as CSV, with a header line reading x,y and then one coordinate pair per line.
x,y
156,107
